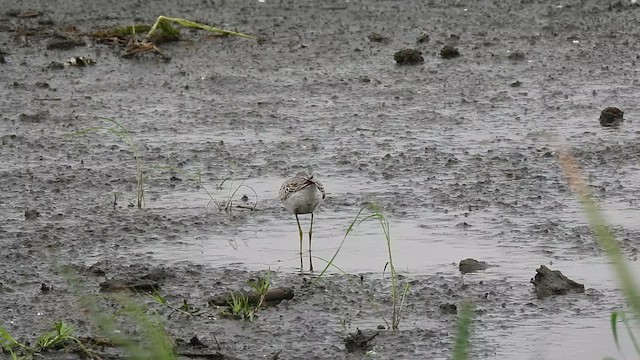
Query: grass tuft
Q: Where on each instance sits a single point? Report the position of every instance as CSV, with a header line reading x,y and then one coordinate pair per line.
x,y
60,336
240,305
227,205
122,133
398,293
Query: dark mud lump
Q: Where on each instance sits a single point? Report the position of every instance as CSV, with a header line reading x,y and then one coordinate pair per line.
x,y
449,52
408,57
472,265
31,214
611,116
516,56
358,341
549,282
375,37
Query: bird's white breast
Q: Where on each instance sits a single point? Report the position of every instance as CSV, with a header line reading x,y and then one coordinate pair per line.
x,y
304,201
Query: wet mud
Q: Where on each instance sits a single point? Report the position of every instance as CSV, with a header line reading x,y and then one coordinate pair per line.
x,y
458,151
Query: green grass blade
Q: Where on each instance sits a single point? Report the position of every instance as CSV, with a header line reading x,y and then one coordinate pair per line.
x,y
462,344
344,238
604,236
374,304
195,25
614,328
630,332
6,337
8,342
162,23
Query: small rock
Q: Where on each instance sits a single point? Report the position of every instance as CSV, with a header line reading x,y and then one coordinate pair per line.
x,y
611,117
375,37
449,52
44,288
408,57
448,308
516,56
4,289
516,83
79,61
31,214
34,118
472,265
55,65
549,282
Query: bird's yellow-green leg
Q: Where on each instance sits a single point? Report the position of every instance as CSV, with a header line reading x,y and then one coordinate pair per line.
x,y
310,232
300,233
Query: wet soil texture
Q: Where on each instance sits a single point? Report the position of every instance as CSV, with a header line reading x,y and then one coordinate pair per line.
x,y
460,154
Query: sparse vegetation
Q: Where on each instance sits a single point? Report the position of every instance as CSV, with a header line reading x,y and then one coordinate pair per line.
x,y
240,305
60,336
398,292
151,341
184,309
162,30
227,205
122,133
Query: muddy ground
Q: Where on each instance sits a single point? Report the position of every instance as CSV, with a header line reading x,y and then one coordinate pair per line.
x,y
460,153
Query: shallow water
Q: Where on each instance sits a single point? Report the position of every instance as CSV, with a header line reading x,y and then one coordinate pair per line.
x,y
462,163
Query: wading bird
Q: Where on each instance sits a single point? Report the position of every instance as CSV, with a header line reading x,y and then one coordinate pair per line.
x,y
302,194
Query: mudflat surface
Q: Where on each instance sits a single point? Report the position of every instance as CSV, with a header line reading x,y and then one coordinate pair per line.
x,y
460,153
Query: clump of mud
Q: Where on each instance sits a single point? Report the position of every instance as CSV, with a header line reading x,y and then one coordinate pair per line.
x,y
358,341
449,52
516,56
379,38
408,57
472,265
611,117
31,214
549,282
449,308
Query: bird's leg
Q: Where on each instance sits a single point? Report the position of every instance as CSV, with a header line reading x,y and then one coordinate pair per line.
x,y
310,232
300,233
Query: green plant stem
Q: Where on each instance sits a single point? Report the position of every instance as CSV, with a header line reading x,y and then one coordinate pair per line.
x,y
608,242
374,304
191,24
396,300
462,345
123,134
